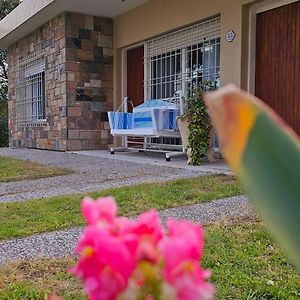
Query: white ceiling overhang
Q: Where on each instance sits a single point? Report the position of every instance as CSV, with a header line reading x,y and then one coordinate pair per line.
x,y
31,14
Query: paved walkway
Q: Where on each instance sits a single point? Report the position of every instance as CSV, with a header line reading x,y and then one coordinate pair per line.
x,y
96,170
62,243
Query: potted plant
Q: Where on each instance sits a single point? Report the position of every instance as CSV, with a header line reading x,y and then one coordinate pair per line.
x,y
195,126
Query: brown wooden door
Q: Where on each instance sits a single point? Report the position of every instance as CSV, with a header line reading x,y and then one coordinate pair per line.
x,y
277,78
135,75
135,84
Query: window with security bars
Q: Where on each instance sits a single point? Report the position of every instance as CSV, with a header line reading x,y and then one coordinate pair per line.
x,y
30,91
181,60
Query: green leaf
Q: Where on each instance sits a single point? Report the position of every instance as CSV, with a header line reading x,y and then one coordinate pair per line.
x,y
265,155
271,178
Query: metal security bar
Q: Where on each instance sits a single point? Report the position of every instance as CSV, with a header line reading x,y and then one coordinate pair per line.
x,y
30,91
182,59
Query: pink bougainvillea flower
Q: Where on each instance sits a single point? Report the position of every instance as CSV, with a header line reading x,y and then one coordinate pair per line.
x,y
148,224
54,297
105,264
103,211
185,242
182,251
120,258
149,231
189,282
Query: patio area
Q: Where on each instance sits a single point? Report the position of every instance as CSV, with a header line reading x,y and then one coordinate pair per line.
x,y
157,159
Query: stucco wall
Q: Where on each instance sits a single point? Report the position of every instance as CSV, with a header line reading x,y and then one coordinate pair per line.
x,y
160,16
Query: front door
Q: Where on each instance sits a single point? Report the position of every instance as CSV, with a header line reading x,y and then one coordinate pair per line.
x,y
135,75
277,80
135,85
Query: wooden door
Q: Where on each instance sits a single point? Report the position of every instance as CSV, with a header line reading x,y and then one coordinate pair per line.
x,y
277,78
135,85
135,75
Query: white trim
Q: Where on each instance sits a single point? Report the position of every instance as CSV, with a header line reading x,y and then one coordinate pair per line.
x,y
147,71
31,14
271,4
123,75
254,10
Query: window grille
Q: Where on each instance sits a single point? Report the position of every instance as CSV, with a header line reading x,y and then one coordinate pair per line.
x,y
182,59
30,91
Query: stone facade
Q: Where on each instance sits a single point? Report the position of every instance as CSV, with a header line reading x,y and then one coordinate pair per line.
x,y
78,55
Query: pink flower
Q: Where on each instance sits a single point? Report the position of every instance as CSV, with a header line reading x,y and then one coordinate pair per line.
x,y
188,279
105,264
103,211
149,232
121,258
182,251
185,241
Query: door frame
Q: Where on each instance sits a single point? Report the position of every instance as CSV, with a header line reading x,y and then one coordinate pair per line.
x,y
124,67
254,10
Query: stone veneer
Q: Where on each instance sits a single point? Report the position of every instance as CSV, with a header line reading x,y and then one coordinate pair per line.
x,y
79,83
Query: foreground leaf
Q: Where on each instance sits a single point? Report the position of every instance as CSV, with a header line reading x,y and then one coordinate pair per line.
x,y
265,155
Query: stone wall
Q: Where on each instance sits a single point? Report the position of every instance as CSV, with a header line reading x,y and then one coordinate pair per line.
x,y
48,39
79,83
89,69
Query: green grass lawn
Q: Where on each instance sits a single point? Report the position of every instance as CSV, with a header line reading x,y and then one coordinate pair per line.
x,y
245,261
16,170
42,215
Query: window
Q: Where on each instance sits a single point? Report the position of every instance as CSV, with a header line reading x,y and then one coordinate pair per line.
x,y
182,59
30,91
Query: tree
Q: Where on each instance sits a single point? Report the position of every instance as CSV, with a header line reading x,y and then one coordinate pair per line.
x,y
6,6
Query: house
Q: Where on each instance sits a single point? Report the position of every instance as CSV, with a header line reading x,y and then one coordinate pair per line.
x,y
72,61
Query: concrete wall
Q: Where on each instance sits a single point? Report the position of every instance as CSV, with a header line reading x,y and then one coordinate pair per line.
x,y
78,83
160,16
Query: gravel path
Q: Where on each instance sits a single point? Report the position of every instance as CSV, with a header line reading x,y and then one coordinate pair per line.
x,y
62,243
91,174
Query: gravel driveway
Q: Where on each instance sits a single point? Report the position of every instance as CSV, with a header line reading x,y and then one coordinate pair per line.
x,y
91,174
62,243
94,173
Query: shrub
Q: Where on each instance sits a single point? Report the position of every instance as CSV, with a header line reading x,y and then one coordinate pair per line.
x,y
199,122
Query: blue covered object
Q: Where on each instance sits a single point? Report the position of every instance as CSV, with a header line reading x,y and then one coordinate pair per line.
x,y
152,103
153,114
120,120
143,119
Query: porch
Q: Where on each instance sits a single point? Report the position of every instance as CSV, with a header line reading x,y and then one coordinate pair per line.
x,y
155,159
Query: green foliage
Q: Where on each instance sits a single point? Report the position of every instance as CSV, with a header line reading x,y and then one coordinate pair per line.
x,y
265,154
271,164
6,6
199,122
3,124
